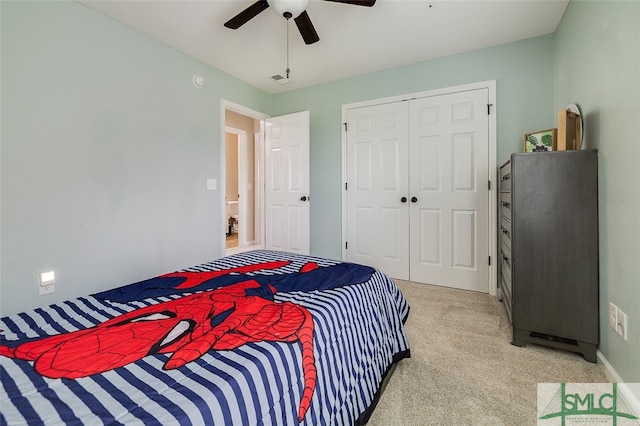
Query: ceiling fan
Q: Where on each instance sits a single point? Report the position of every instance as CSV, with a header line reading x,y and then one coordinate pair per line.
x,y
289,9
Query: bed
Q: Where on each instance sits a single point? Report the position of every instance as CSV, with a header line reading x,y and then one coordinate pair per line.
x,y
256,338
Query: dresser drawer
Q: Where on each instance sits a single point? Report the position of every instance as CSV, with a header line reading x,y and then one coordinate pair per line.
x,y
505,233
505,170
505,265
505,178
505,205
505,287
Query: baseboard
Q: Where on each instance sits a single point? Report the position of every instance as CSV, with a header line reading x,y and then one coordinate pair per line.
x,y
632,398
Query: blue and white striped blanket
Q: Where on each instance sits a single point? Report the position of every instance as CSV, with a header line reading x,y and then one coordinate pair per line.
x,y
259,338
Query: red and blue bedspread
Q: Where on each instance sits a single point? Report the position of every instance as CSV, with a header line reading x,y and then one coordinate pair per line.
x,y
259,338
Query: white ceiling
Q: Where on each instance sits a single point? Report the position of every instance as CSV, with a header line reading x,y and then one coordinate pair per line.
x,y
354,40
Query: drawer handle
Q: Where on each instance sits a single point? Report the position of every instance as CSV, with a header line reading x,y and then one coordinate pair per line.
x,y
505,177
505,204
506,259
505,232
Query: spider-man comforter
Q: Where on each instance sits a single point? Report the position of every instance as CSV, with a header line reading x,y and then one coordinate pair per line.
x,y
256,338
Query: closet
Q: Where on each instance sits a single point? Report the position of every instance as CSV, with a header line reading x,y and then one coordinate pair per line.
x,y
417,188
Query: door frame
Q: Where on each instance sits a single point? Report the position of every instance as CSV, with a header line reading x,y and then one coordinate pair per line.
x,y
490,85
226,105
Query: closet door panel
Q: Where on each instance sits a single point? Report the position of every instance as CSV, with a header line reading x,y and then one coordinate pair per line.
x,y
377,178
448,145
428,167
429,234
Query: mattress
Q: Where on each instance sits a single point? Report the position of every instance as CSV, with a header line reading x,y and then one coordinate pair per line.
x,y
257,338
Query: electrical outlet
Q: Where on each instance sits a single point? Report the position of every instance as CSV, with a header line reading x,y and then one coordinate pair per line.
x,y
622,324
613,316
46,289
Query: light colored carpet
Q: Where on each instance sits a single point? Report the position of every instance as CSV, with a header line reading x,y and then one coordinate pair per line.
x,y
463,369
232,240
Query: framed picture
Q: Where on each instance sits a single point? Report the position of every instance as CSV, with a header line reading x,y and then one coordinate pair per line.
x,y
540,141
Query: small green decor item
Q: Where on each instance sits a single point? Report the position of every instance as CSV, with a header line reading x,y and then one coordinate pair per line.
x,y
543,140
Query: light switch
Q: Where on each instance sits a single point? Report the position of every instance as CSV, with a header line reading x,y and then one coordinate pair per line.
x,y
212,184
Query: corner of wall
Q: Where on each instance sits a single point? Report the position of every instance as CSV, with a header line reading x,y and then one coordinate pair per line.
x,y
631,392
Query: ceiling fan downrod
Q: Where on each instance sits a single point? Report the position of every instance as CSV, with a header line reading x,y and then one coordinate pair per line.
x,y
287,16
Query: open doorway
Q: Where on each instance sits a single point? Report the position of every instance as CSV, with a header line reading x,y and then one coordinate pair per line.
x,y
232,189
242,198
284,194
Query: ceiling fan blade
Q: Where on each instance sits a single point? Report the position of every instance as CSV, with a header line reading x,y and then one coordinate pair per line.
x,y
246,15
367,3
307,31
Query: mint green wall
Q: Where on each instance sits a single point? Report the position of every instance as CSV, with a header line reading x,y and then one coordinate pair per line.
x,y
106,148
524,74
598,68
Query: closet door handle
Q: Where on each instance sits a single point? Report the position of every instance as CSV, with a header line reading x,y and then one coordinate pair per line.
x,y
303,198
414,199
403,199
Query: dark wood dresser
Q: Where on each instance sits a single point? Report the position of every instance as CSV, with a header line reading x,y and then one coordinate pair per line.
x,y
549,249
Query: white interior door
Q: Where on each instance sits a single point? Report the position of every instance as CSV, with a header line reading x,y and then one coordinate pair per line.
x,y
377,179
287,183
449,152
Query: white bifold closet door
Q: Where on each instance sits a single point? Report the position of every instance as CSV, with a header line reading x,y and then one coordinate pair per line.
x,y
377,179
417,196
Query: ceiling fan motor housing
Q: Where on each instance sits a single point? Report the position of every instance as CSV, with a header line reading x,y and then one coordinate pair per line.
x,y
294,7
